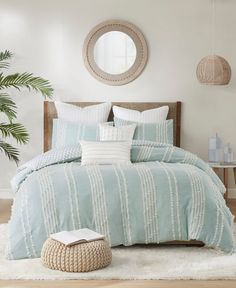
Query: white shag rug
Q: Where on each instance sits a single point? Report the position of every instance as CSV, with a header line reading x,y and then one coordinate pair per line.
x,y
136,262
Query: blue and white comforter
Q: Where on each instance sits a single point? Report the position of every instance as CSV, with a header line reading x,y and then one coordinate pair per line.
x,y
166,194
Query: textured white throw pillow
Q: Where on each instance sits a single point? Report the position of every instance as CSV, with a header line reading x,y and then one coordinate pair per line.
x,y
90,114
148,116
119,133
105,152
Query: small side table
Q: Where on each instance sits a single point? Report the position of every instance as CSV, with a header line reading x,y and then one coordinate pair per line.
x,y
225,166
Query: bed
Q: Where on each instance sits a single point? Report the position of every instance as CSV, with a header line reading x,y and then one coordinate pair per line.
x,y
168,194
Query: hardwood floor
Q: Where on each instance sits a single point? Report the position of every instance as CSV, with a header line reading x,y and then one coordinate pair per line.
x,y
5,211
118,284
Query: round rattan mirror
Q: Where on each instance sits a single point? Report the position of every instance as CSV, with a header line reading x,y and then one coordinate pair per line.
x,y
115,52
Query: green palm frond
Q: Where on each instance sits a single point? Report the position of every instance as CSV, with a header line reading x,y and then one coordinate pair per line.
x,y
19,80
11,152
6,55
15,130
7,106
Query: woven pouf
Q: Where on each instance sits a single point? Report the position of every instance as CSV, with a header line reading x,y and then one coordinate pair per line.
x,y
81,257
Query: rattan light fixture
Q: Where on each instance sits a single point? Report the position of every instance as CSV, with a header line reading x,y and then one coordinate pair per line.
x,y
213,69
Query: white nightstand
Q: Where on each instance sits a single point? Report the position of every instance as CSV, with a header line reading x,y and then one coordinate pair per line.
x,y
225,166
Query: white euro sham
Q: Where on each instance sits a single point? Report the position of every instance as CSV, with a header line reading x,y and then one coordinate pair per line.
x,y
148,116
90,114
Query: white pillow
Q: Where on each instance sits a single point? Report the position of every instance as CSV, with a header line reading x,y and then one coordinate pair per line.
x,y
105,152
148,116
90,114
119,133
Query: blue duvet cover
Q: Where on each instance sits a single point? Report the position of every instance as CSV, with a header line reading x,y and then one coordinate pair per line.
x,y
166,194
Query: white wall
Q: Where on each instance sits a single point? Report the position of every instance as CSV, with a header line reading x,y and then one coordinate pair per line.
x,y
47,37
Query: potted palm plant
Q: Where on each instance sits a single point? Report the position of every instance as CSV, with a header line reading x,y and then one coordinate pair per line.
x,y
9,128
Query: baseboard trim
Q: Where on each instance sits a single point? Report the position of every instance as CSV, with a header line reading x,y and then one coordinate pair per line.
x,y
6,193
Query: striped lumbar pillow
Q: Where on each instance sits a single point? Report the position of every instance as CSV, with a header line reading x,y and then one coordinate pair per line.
x,y
105,152
148,116
90,114
120,133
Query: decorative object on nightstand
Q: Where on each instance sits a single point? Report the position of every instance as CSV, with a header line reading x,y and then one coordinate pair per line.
x,y
215,158
228,154
225,166
214,149
213,69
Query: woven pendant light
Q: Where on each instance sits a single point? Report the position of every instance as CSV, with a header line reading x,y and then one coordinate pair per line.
x,y
213,69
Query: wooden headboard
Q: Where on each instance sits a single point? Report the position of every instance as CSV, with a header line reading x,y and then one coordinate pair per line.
x,y
174,113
